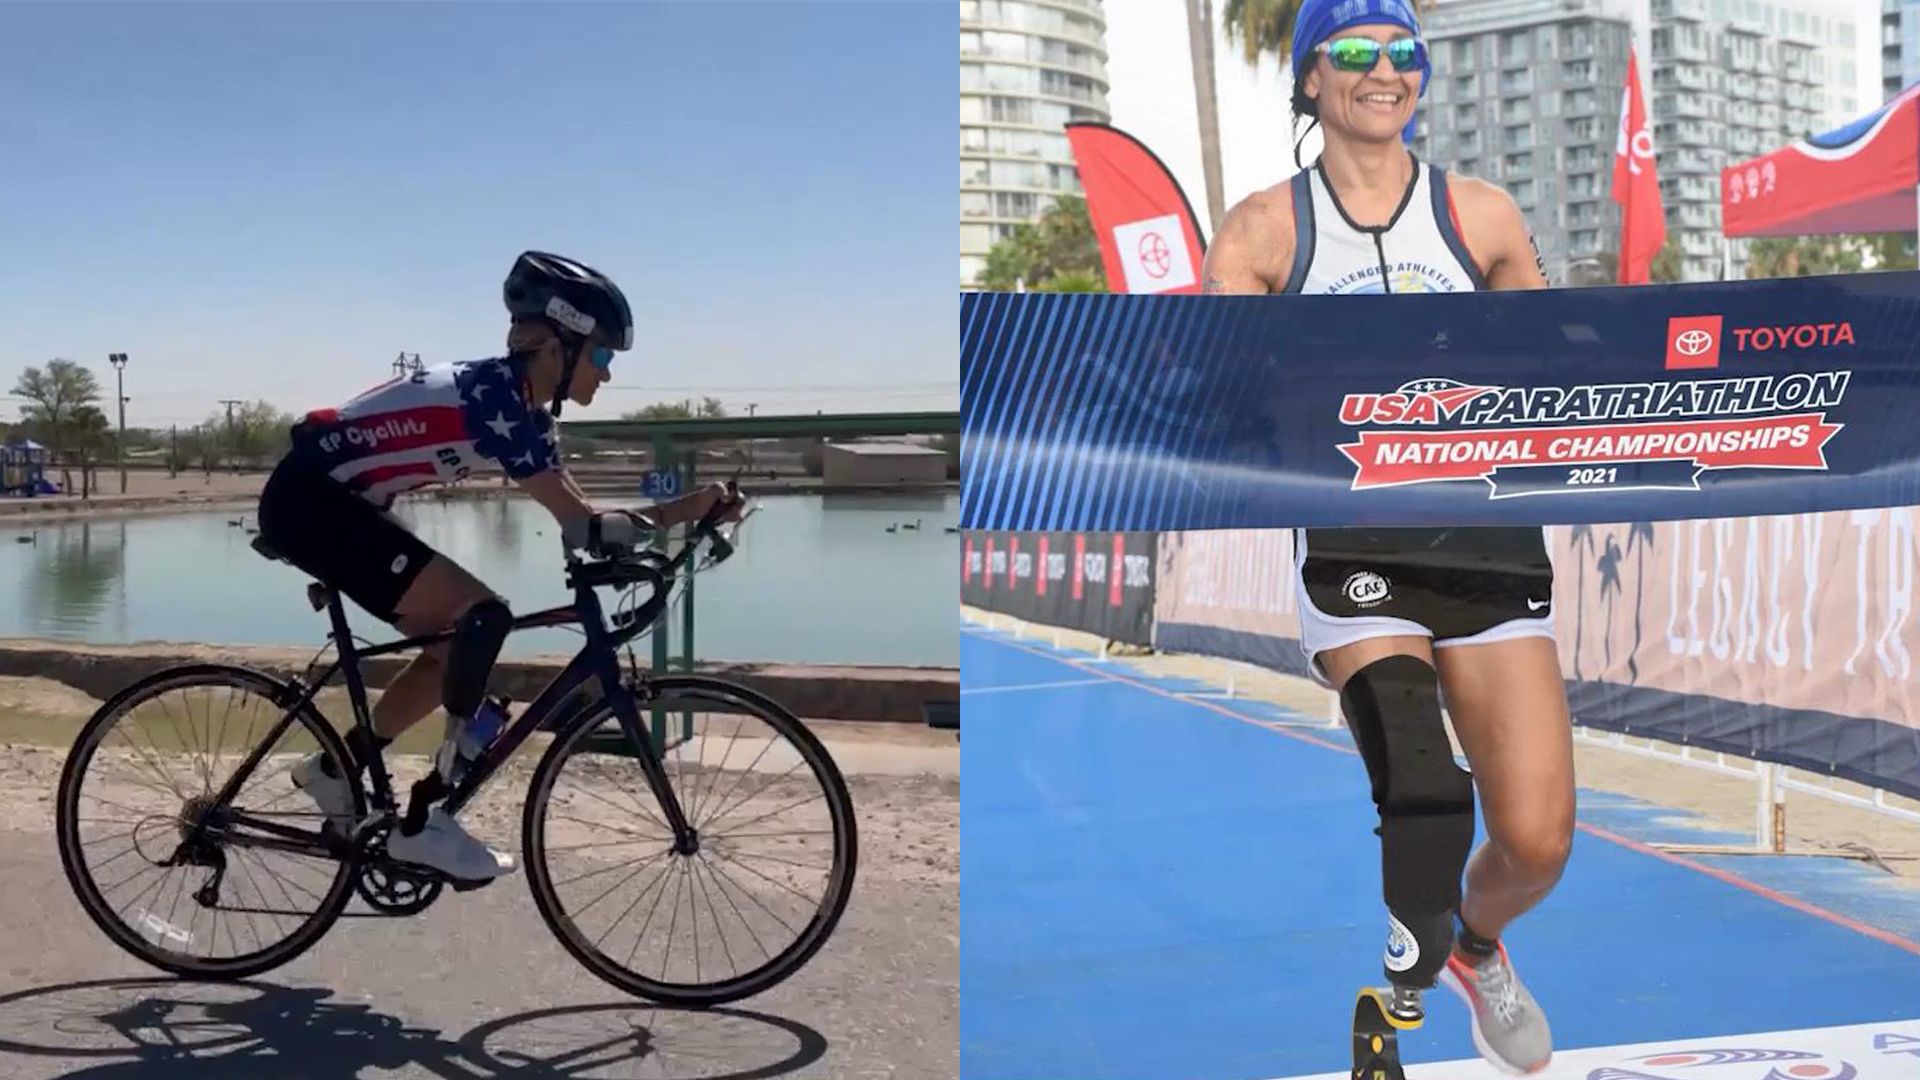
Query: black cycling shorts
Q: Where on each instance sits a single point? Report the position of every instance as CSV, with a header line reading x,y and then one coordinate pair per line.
x,y
341,539
1458,583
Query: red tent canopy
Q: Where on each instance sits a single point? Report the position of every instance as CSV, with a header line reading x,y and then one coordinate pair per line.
x,y
1860,178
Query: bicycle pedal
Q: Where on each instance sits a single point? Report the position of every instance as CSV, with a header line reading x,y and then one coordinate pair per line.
x,y
1376,1048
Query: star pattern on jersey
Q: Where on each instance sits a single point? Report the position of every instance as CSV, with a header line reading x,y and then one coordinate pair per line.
x,y
502,426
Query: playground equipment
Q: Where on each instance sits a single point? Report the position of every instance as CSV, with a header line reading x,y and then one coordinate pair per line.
x,y
23,464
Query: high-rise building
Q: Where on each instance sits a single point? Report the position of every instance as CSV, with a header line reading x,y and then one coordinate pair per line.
x,y
1526,94
1027,68
1732,79
1899,45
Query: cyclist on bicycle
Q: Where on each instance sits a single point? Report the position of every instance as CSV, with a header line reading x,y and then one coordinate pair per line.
x,y
326,507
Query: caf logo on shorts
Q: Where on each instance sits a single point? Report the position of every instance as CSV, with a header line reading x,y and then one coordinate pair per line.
x,y
399,563
1402,950
1367,589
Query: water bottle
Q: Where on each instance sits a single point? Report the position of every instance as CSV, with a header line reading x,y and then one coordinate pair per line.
x,y
465,745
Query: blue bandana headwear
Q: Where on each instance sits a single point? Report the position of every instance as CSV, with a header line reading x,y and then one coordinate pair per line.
x,y
1321,19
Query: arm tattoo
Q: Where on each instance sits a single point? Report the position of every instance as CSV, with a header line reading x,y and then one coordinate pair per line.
x,y
1213,285
1539,260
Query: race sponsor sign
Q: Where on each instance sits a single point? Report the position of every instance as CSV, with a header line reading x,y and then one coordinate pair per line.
x,y
1232,593
1540,407
1101,583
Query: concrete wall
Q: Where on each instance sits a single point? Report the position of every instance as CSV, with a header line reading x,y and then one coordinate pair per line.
x,y
870,465
819,692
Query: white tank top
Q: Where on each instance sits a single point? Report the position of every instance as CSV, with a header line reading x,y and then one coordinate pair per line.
x,y
1418,250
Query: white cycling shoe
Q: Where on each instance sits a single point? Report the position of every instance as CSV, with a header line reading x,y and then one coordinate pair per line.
x,y
332,794
447,847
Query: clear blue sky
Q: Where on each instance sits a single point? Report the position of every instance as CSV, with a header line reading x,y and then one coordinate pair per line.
x,y
272,200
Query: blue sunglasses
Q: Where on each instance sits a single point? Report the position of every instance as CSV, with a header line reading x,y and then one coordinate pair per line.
x,y
1362,54
602,357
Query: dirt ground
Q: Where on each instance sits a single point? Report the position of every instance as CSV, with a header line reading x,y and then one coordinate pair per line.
x,y
905,778
147,491
1814,824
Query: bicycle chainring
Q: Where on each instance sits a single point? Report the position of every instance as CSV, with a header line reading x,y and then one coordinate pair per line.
x,y
388,887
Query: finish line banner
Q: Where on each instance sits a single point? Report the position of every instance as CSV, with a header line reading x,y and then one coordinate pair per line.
x,y
1557,406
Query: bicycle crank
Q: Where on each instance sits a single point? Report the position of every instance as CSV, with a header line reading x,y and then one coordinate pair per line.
x,y
388,887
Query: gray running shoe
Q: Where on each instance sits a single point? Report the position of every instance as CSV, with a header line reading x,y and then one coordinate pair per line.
x,y
1509,1029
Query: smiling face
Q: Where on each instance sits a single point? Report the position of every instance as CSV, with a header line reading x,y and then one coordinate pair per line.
x,y
1368,106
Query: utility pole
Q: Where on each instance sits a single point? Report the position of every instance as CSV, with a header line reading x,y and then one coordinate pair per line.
x,y
119,362
230,403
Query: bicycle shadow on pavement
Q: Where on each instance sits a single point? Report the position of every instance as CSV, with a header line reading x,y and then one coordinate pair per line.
x,y
168,1029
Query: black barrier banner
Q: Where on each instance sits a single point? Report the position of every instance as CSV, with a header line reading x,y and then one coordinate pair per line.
x,y
1557,406
1098,582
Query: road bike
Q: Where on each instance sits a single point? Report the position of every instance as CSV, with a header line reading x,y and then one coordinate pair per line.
x,y
650,783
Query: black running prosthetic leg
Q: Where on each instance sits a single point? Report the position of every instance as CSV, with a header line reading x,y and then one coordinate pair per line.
x,y
1425,802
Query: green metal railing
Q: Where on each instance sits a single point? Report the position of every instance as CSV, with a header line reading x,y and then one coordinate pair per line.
x,y
674,443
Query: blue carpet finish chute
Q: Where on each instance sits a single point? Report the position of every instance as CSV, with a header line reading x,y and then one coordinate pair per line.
x,y
1558,406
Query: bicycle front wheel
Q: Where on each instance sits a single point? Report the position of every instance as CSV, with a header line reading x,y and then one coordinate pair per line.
x,y
772,870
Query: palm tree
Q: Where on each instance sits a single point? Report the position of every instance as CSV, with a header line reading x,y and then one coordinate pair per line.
x,y
1641,531
1609,566
1579,533
1200,44
1259,26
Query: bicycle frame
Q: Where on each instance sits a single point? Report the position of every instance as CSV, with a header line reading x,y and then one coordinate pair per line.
x,y
598,659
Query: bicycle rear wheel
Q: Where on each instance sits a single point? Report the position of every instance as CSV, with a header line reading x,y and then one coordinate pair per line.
x,y
190,887
775,860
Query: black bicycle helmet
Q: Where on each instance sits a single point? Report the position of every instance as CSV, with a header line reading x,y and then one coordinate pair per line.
x,y
574,296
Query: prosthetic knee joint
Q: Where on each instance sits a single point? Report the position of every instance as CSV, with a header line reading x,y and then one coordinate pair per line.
x,y
477,638
1426,809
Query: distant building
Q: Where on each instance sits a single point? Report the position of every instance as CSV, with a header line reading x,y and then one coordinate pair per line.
x,y
1526,94
1899,45
1731,80
1027,69
882,463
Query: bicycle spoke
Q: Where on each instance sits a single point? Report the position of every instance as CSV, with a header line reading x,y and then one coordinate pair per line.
x,y
717,931
638,805
720,875
616,885
145,815
744,773
783,862
641,936
185,742
159,772
773,835
133,876
755,821
737,913
771,881
258,891
115,836
718,770
664,838
673,920
551,848
635,902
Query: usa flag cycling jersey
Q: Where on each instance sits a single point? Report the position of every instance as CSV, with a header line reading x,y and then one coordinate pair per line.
x,y
433,427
